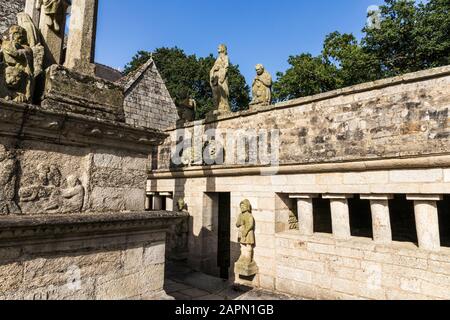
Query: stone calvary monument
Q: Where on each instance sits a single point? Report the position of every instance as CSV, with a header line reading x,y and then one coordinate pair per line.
x,y
73,166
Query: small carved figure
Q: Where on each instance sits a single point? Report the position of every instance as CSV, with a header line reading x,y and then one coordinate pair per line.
x,y
53,10
186,109
8,176
18,65
246,223
219,81
262,87
72,196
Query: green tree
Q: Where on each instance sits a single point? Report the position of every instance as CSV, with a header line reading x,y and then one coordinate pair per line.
x,y
410,37
187,76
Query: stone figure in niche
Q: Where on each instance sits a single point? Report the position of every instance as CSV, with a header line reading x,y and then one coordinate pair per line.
x,y
262,87
181,204
246,266
18,71
47,195
8,177
34,40
219,81
53,10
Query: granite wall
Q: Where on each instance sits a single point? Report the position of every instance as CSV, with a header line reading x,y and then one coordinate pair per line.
x,y
8,11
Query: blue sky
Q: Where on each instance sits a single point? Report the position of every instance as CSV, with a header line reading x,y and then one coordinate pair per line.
x,y
256,31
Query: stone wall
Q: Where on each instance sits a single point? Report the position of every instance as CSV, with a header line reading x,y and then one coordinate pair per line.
x,y
96,257
398,117
323,268
374,143
8,11
147,101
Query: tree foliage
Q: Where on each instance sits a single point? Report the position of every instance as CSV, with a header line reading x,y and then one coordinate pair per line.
x,y
410,37
187,76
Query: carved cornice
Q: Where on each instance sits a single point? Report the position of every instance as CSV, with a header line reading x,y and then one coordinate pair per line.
x,y
41,123
15,228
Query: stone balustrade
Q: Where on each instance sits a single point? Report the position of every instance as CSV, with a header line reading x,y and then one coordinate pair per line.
x,y
425,207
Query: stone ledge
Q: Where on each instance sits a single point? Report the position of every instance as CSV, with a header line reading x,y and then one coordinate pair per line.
x,y
440,161
369,86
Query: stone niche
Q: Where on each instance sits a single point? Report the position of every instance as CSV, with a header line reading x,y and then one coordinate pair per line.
x,y
57,258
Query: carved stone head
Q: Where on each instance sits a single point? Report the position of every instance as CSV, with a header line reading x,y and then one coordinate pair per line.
x,y
18,35
13,77
73,181
259,69
246,206
223,49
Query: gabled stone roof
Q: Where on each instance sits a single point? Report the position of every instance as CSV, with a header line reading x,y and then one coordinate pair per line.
x,y
130,79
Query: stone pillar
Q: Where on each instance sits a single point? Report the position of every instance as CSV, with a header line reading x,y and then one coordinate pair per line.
x,y
53,40
148,202
340,215
381,221
305,213
82,33
32,10
427,221
157,202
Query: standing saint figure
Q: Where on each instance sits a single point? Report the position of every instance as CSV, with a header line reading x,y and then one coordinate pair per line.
x,y
246,266
262,87
219,81
8,176
53,11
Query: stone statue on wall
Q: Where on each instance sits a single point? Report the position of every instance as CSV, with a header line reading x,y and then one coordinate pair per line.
x,y
8,177
246,266
262,87
53,10
219,81
45,193
18,71
181,204
34,41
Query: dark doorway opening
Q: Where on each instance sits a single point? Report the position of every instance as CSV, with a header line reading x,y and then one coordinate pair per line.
x,y
403,221
224,235
322,216
360,217
444,220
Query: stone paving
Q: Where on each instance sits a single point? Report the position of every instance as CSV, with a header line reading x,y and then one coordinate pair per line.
x,y
183,283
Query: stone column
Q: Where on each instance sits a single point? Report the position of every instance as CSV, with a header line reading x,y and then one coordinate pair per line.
x,y
82,33
305,213
148,202
32,11
157,202
340,215
53,40
381,221
427,221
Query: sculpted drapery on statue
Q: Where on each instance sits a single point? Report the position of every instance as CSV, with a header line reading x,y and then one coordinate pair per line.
x,y
53,10
17,66
219,81
8,176
246,266
262,87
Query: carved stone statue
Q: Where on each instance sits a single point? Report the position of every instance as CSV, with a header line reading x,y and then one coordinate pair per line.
x,y
18,70
53,9
181,204
72,196
8,176
246,266
219,81
34,41
262,87
186,109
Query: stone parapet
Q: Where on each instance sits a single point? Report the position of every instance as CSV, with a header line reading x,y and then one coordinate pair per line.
x,y
94,257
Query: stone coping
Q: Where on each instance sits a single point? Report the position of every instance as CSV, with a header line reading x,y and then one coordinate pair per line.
x,y
87,218
369,86
422,162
